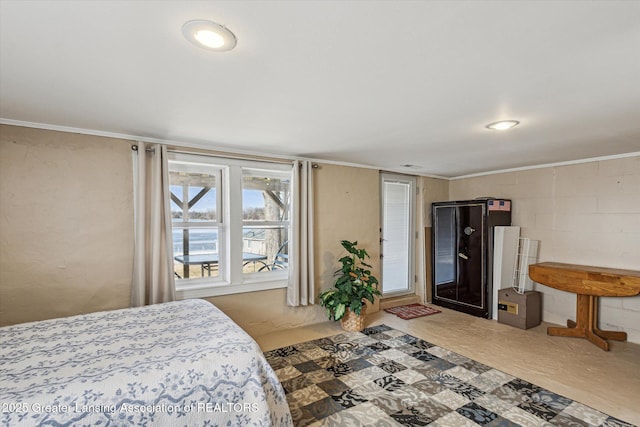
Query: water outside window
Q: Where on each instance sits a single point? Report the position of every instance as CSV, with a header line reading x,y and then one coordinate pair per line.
x,y
195,218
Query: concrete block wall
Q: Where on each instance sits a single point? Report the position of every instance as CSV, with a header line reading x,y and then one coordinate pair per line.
x,y
586,213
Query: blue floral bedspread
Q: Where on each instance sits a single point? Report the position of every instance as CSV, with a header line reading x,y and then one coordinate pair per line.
x,y
182,363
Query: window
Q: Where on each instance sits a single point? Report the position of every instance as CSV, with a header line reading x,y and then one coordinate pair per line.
x,y
398,234
231,224
195,215
265,219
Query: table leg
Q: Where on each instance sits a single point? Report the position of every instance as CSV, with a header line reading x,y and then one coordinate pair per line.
x,y
586,324
611,335
608,335
583,326
593,320
577,328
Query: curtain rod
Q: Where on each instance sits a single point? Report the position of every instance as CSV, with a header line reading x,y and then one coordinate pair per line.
x,y
202,152
134,147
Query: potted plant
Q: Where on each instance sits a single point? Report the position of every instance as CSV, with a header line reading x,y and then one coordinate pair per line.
x,y
353,285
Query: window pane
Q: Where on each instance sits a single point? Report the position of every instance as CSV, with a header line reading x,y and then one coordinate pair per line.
x,y
265,195
396,245
201,255
193,196
265,248
445,245
265,199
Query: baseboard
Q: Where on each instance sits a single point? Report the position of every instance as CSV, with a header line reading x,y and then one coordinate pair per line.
x,y
398,301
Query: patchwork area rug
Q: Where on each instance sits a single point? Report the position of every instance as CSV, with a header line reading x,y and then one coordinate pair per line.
x,y
411,311
384,377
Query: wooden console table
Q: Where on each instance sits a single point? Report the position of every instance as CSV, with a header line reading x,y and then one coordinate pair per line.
x,y
588,283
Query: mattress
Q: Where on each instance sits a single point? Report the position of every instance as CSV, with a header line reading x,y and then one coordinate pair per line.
x,y
181,363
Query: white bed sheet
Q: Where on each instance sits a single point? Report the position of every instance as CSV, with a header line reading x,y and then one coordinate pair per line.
x,y
183,363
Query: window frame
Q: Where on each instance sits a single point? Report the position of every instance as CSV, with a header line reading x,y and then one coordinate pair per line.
x,y
218,223
231,280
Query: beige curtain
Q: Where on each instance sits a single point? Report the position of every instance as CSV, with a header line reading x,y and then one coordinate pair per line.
x,y
153,280
301,284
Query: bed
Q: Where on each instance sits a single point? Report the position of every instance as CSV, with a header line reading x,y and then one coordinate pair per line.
x,y
181,363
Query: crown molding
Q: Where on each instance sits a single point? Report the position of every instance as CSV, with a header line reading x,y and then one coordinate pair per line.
x,y
206,146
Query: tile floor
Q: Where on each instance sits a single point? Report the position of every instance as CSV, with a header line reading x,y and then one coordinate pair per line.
x,y
574,368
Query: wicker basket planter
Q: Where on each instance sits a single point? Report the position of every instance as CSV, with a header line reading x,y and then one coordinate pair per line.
x,y
352,322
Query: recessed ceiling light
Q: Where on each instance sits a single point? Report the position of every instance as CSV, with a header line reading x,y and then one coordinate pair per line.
x,y
209,35
502,124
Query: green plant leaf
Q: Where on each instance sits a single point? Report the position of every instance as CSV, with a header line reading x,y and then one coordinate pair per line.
x,y
353,283
356,306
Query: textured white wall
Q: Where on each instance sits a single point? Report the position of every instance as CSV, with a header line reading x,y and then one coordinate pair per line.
x,y
66,224
587,214
66,231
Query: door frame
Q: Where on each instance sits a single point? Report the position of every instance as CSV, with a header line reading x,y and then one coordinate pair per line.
x,y
411,276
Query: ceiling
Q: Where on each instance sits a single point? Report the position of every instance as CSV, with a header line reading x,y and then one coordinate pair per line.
x,y
380,83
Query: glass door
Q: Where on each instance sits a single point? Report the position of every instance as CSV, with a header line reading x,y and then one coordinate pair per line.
x,y
397,235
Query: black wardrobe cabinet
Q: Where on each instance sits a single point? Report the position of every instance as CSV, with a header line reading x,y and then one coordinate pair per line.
x,y
462,247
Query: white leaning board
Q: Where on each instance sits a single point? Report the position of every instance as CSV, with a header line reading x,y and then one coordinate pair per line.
x,y
505,251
